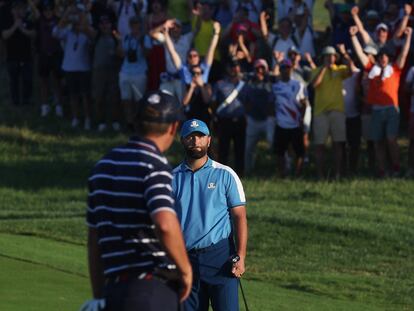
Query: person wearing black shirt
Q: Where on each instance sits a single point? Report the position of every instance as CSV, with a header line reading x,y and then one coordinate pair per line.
x,y
17,31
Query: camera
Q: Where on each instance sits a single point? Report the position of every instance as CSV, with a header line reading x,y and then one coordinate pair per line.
x,y
132,55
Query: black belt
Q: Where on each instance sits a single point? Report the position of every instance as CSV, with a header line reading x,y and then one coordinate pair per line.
x,y
219,244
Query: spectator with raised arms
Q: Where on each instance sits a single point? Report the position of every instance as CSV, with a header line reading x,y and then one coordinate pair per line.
x,y
384,80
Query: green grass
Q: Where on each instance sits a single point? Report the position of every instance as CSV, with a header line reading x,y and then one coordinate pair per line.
x,y
32,287
345,245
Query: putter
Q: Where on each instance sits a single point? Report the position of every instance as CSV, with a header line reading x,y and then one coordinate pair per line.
x,y
234,259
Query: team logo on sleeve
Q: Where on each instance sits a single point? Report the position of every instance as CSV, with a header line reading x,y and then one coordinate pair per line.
x,y
211,186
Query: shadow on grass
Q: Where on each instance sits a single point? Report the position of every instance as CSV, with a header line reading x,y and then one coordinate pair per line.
x,y
312,225
35,175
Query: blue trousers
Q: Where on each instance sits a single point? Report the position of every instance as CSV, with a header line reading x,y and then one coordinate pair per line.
x,y
213,281
144,295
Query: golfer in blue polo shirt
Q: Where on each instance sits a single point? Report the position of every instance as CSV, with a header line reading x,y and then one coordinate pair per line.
x,y
210,204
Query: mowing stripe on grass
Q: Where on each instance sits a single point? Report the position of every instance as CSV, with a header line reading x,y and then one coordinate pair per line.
x,y
32,287
60,256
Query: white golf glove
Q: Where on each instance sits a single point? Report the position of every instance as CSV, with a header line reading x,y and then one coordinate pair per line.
x,y
93,305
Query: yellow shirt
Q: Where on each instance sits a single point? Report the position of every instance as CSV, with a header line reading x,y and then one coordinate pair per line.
x,y
328,95
203,38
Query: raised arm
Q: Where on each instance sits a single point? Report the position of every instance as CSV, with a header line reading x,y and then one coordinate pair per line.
x,y
364,34
353,30
404,22
278,57
7,33
157,32
406,48
319,77
27,32
331,10
347,58
171,49
243,47
263,24
309,59
86,28
213,44
189,93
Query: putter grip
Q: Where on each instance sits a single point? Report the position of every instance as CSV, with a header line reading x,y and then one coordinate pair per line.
x,y
235,258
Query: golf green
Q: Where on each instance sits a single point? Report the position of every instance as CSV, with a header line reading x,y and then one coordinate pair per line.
x,y
31,287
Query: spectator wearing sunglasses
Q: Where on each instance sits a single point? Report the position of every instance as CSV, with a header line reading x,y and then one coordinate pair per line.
x,y
193,57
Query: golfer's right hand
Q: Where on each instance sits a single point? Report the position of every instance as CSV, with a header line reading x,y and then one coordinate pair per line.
x,y
186,283
93,305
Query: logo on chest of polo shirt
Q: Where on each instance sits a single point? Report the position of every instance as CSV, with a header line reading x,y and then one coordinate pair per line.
x,y
211,186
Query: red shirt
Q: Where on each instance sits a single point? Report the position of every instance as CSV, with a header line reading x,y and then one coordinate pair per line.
x,y
383,84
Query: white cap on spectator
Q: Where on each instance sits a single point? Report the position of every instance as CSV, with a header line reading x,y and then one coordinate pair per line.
x,y
329,50
381,26
369,49
261,63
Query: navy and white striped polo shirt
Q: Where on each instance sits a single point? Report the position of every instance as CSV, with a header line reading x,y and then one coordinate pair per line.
x,y
125,187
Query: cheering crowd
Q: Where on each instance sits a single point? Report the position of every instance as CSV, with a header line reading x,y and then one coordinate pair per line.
x,y
248,68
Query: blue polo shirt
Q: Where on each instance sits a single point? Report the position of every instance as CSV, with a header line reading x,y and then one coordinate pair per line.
x,y
203,200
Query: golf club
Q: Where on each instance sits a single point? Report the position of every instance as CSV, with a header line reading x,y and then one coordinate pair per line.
x,y
234,259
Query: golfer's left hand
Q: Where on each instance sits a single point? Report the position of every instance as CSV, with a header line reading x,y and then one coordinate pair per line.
x,y
93,305
238,268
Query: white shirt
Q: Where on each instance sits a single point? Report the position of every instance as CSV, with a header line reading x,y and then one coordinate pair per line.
x,y
350,99
76,49
280,45
409,80
287,103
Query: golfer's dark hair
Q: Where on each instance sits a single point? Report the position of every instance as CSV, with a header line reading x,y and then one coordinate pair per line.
x,y
147,128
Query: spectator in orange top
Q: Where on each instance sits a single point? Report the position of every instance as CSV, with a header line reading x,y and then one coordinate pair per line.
x,y
384,80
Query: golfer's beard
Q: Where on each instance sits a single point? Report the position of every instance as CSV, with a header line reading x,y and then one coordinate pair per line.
x,y
196,153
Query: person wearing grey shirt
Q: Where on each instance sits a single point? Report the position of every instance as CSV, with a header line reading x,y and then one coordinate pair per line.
x,y
104,73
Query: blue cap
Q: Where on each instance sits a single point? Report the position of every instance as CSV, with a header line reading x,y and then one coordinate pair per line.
x,y
194,125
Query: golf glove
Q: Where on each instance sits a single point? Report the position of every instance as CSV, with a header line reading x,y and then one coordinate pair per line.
x,y
93,305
